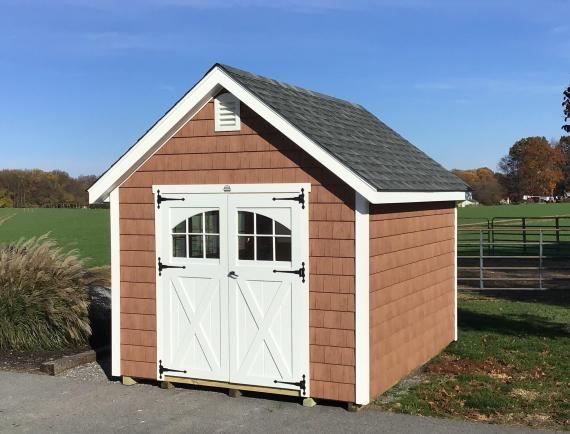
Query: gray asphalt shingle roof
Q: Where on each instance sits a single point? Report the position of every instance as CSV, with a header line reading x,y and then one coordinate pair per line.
x,y
353,135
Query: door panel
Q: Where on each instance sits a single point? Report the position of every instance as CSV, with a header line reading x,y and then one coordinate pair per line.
x,y
268,310
192,302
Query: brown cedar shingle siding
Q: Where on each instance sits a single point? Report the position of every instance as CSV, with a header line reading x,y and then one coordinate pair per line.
x,y
411,288
256,154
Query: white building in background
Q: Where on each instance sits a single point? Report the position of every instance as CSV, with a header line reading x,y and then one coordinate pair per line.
x,y
467,203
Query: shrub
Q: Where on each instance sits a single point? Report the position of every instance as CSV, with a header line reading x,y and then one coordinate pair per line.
x,y
43,297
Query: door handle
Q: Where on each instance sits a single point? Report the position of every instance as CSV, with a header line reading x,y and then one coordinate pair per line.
x,y
233,275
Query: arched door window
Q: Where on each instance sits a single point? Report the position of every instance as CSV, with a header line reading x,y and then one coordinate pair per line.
x,y
198,236
262,238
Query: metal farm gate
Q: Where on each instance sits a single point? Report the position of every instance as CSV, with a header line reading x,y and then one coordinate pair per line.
x,y
514,253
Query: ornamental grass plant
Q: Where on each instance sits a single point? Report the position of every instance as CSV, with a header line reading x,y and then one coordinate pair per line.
x,y
43,296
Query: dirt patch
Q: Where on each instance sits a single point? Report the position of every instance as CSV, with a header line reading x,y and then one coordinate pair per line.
x,y
30,361
450,365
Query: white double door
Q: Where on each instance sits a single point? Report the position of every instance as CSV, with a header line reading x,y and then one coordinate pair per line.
x,y
238,311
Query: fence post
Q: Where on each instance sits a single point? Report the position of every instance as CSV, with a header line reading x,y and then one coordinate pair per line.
x,y
481,281
488,237
524,233
557,234
492,221
540,261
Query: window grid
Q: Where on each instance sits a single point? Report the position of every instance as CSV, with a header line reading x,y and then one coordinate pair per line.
x,y
203,234
255,235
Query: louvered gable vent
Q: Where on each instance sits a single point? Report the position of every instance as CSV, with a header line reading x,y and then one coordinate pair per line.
x,y
227,114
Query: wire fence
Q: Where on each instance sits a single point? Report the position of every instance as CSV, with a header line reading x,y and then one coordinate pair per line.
x,y
501,254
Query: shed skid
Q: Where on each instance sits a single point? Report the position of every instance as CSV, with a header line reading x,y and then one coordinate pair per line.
x,y
232,386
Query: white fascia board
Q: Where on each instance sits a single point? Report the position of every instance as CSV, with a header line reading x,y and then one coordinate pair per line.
x,y
382,197
232,188
362,299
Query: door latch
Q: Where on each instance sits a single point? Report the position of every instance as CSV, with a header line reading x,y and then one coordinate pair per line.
x,y
300,272
233,275
161,266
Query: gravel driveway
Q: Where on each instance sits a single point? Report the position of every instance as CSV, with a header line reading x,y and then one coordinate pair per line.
x,y
85,401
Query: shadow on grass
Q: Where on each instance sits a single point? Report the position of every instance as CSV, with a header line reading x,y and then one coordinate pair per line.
x,y
511,324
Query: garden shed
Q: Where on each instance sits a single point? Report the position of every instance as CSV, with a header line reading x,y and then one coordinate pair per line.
x,y
267,237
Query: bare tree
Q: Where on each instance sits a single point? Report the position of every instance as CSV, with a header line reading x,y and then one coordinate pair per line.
x,y
566,105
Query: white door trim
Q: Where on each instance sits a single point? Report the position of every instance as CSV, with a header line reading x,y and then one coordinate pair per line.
x,y
362,301
283,190
115,284
232,188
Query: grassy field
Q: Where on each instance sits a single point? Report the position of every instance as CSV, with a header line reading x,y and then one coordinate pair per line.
x,y
506,222
510,364
524,210
86,230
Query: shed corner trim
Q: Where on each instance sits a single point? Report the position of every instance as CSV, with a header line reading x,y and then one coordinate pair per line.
x,y
362,300
115,283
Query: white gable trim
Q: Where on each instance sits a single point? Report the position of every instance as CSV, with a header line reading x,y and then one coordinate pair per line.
x,y
191,104
158,135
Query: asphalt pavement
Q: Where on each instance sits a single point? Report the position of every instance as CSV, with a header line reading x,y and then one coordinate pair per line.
x,y
35,403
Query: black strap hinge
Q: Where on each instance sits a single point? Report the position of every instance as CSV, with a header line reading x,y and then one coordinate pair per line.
x,y
160,199
162,369
302,385
161,266
300,272
300,198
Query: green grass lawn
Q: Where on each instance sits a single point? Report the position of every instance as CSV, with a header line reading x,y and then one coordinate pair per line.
x,y
511,363
86,230
523,210
507,227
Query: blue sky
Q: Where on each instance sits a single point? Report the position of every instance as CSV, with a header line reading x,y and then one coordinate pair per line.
x,y
81,80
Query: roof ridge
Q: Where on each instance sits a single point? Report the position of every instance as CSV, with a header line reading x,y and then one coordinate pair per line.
x,y
285,84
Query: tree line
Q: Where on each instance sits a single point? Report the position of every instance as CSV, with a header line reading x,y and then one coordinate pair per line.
x,y
533,167
37,188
